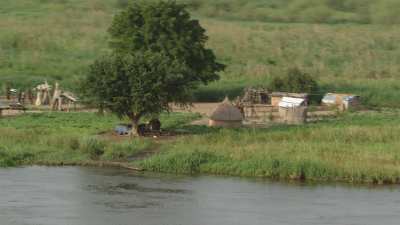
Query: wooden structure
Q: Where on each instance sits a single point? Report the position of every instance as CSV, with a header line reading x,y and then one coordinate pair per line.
x,y
62,98
256,96
293,110
69,100
226,115
258,112
42,94
293,115
259,105
56,101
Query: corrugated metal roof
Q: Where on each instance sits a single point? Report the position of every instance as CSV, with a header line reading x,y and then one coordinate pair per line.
x,y
289,102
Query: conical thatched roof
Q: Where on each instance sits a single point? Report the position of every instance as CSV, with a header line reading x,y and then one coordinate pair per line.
x,y
226,112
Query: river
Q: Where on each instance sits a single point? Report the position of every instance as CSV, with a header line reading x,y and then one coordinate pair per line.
x,y
95,196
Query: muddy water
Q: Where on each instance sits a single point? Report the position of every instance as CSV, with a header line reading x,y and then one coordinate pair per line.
x,y
88,196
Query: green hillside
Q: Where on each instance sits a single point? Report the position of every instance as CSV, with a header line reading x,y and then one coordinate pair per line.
x,y
308,11
58,39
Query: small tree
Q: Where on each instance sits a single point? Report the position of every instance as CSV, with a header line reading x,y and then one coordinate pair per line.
x,y
158,57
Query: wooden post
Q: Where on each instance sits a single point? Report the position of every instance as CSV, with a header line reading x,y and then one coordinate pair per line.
x,y
8,92
30,96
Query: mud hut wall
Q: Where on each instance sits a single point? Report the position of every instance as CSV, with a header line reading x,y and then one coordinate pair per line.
x,y
350,105
258,111
275,100
227,124
293,115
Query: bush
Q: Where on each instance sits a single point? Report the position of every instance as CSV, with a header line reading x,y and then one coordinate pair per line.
x,y
295,81
93,147
6,160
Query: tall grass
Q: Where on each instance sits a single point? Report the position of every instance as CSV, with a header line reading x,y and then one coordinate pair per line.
x,y
354,148
57,40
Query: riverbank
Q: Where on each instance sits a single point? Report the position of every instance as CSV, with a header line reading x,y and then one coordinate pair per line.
x,y
355,147
359,148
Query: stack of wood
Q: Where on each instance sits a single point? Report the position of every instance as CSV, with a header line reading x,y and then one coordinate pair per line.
x,y
62,98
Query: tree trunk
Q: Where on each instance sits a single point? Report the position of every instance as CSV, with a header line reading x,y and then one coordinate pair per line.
x,y
8,96
100,112
135,126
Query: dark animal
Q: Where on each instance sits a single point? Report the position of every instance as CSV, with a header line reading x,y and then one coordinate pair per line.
x,y
155,125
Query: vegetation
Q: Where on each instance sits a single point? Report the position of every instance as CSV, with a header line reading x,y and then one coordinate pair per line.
x,y
158,57
295,81
308,11
345,45
58,40
353,148
70,138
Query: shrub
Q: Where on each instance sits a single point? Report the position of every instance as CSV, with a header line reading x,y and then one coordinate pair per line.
x,y
295,81
6,160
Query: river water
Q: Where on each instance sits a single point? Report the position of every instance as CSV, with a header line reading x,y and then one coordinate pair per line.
x,y
93,196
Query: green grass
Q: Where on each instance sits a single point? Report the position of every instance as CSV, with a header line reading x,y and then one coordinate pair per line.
x,y
355,148
60,138
57,40
309,11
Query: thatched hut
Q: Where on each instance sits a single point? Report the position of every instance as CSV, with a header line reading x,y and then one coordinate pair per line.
x,y
226,115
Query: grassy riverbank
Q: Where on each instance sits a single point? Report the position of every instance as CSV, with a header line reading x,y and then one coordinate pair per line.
x,y
57,40
357,147
69,138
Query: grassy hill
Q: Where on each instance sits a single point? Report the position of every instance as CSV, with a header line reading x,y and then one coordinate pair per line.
x,y
58,39
308,11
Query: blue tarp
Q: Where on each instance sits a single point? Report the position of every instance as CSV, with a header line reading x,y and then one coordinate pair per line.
x,y
122,129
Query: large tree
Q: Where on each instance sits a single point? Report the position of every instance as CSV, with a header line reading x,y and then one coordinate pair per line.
x,y
158,57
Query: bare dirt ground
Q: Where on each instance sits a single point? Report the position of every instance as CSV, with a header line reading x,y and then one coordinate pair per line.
x,y
10,112
203,108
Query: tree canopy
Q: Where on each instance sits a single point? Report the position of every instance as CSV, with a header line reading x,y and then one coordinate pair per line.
x,y
165,27
158,57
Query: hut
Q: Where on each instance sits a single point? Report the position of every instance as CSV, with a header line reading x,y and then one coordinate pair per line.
x,y
293,110
341,101
226,115
276,97
69,99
